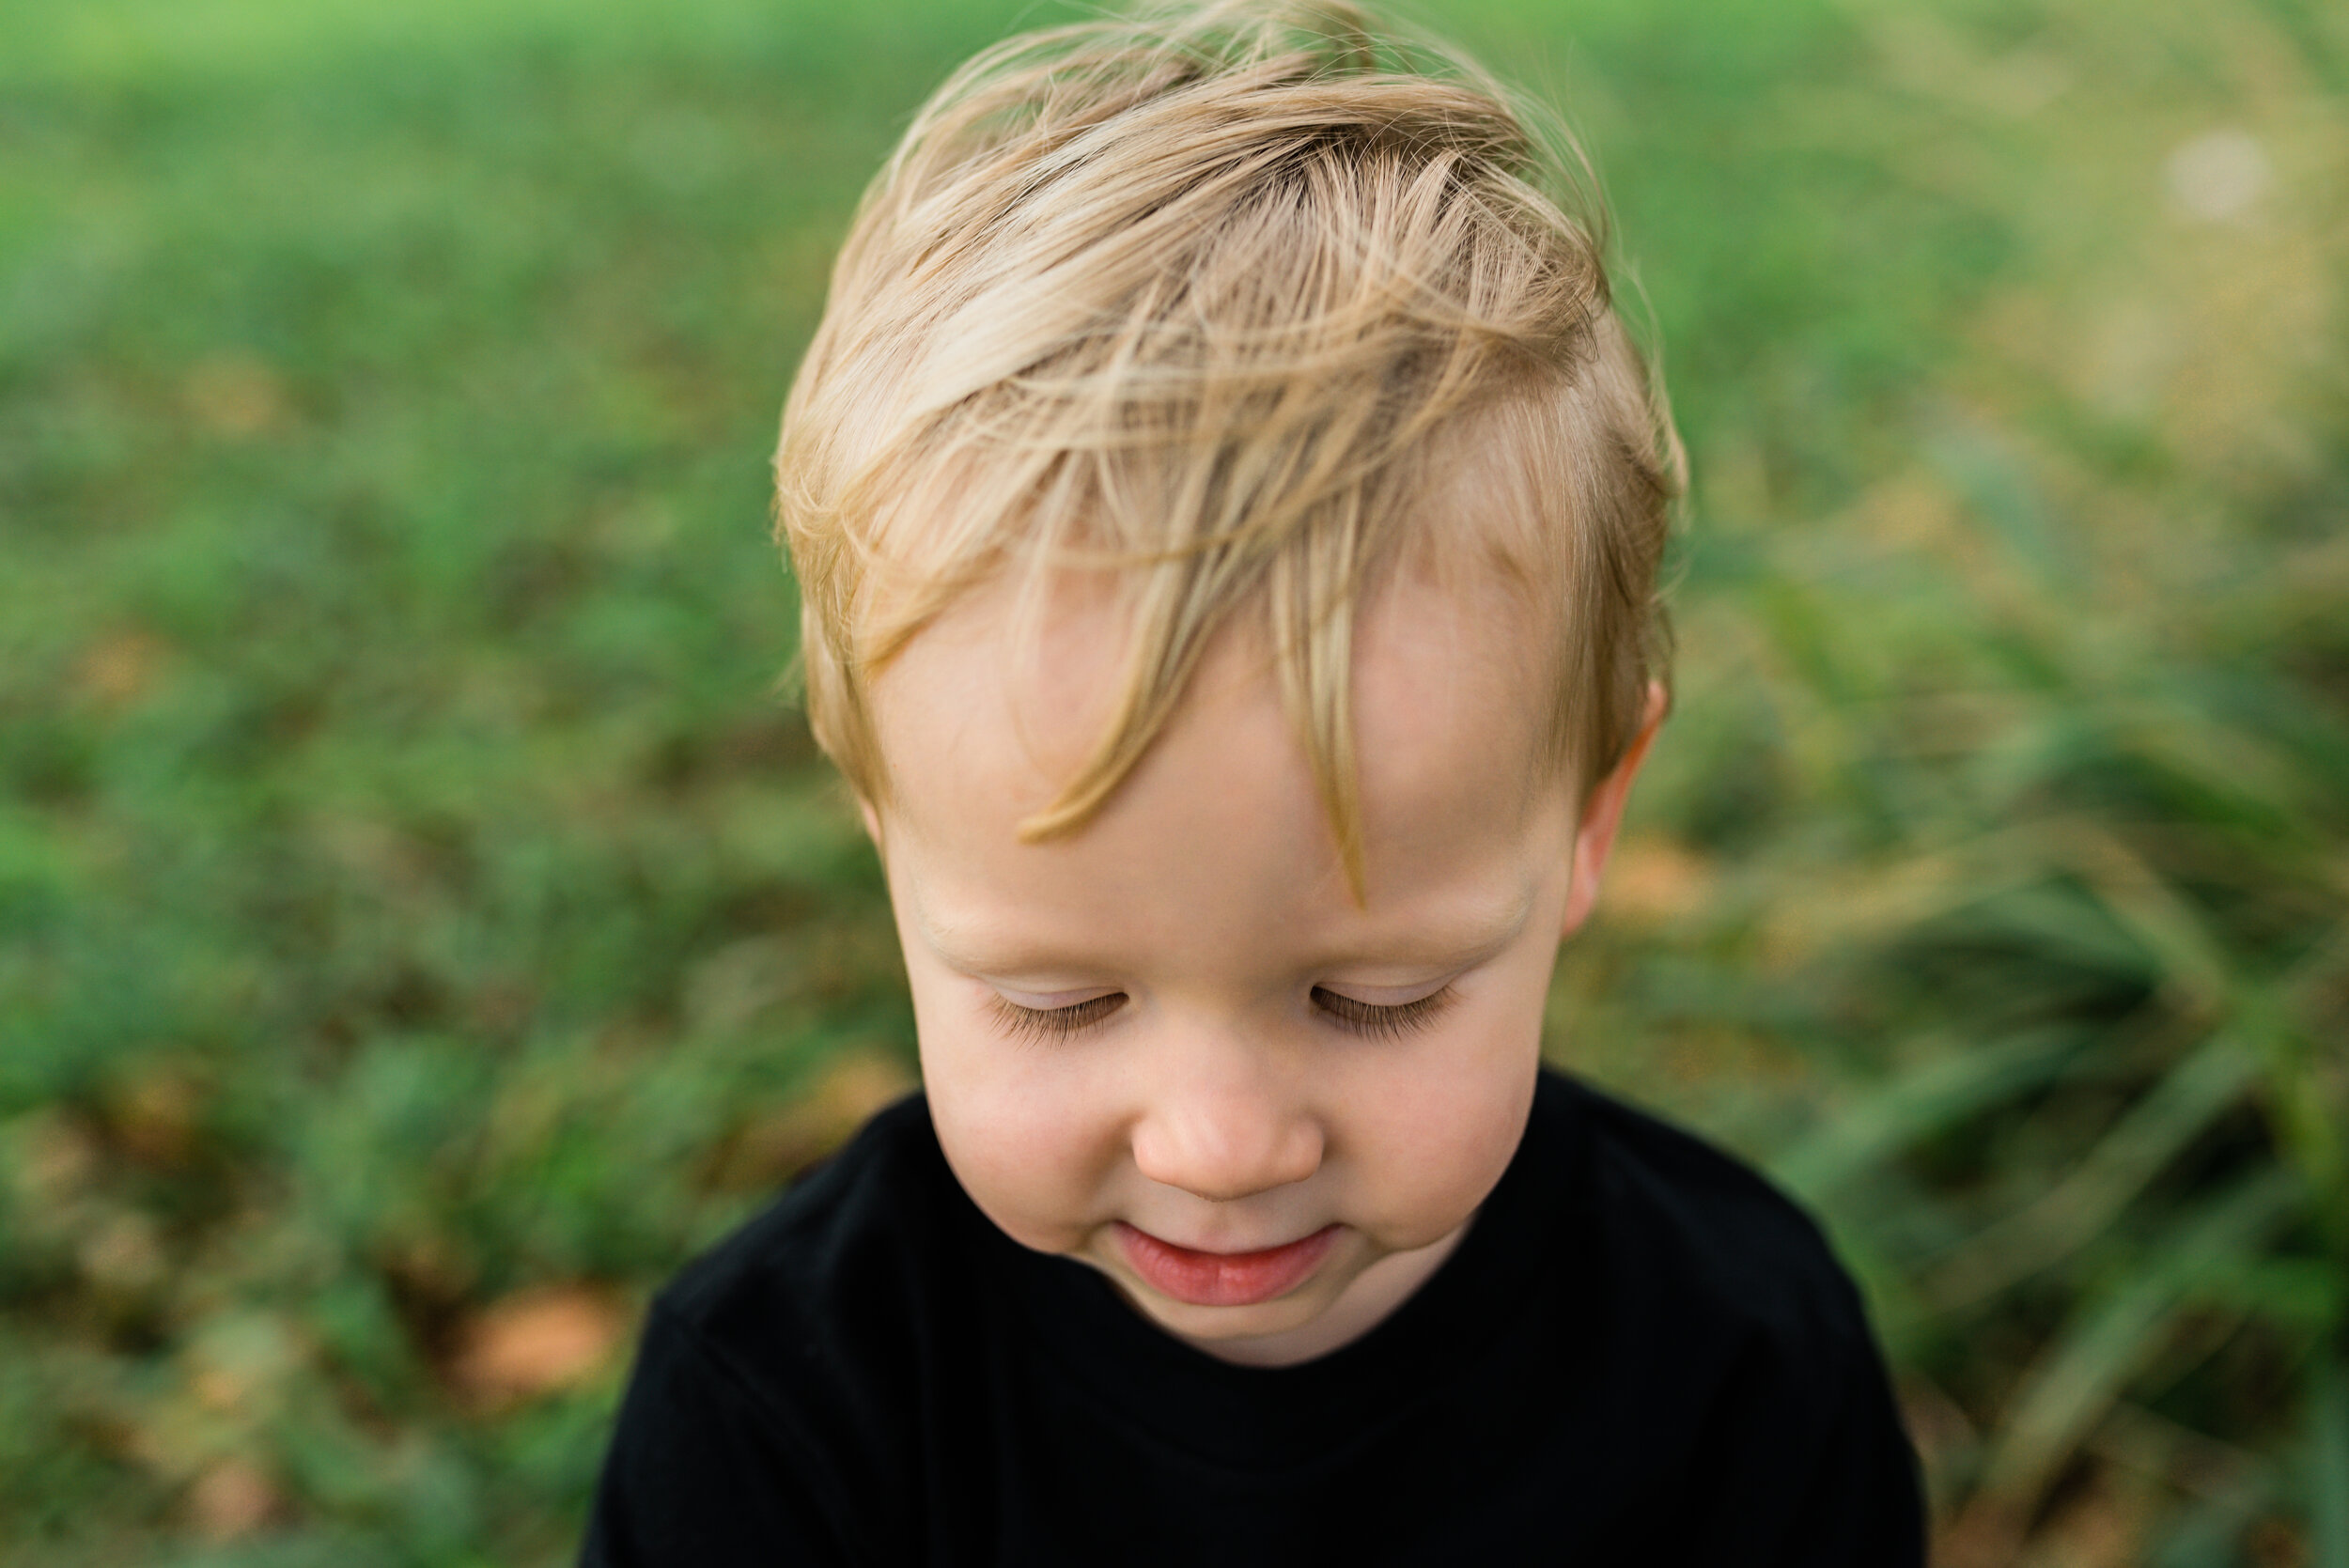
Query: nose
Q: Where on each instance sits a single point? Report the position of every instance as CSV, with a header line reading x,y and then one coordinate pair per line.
x,y
1223,1135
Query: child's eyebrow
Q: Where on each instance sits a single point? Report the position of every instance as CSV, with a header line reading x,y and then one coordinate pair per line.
x,y
1450,940
1454,941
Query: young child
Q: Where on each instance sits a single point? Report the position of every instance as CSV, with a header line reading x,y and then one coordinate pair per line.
x,y
1228,515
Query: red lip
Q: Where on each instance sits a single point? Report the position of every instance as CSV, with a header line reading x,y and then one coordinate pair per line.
x,y
1224,1278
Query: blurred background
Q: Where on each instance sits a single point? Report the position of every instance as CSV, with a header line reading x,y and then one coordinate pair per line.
x,y
423,924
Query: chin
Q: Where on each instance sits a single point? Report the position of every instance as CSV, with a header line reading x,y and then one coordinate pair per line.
x,y
1218,1325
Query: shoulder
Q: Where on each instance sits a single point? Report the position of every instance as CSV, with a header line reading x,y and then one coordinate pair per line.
x,y
836,1272
846,1217
773,1396
822,1310
1734,1341
1700,1224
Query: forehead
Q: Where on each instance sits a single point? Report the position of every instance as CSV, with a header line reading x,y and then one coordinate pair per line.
x,y
987,714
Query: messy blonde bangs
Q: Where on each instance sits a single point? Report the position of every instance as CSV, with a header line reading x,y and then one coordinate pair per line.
x,y
1242,305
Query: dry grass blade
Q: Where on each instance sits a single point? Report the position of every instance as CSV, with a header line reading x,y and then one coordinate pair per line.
x,y
2092,1359
1953,1084
2184,1102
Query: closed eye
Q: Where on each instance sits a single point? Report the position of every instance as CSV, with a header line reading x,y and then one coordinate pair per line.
x,y
1386,1023
1053,1023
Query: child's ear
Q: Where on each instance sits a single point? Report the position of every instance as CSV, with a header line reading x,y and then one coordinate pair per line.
x,y
872,821
1602,814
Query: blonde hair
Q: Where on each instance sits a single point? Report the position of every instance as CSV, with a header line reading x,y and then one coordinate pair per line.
x,y
1247,303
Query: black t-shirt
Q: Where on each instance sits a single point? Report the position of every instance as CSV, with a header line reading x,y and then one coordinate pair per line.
x,y
1640,1354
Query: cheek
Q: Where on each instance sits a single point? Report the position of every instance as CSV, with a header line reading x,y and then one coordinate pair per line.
x,y
1030,1146
1432,1147
1436,1127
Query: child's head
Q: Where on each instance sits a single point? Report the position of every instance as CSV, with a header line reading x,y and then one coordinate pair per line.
x,y
1228,515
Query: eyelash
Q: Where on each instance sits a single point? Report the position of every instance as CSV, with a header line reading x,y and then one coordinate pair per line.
x,y
1381,1023
1054,1023
1359,1018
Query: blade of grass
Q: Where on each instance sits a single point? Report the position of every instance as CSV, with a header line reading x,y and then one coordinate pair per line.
x,y
2328,1462
2191,961
1954,1084
2309,1121
2189,1098
2092,1359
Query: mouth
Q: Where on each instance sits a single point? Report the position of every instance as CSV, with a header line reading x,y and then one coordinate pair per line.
x,y
1222,1278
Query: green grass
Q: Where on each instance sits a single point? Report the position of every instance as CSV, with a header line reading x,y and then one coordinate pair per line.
x,y
413,898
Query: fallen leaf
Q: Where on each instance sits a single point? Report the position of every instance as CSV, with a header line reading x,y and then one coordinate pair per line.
x,y
154,1118
534,1342
120,667
2102,1527
232,1499
235,395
